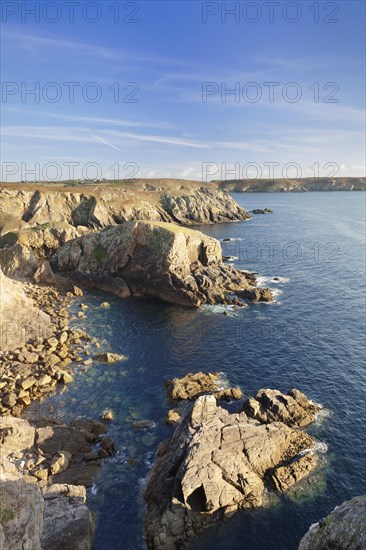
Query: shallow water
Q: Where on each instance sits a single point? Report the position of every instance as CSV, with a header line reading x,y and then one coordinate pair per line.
x,y
312,339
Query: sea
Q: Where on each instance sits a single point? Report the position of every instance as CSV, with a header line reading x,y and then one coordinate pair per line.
x,y
311,252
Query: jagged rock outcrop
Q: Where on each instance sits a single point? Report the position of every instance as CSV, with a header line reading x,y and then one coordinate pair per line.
x,y
104,206
20,320
293,409
216,463
343,529
191,386
176,264
204,204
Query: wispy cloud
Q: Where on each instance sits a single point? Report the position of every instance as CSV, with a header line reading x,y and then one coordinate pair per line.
x,y
98,138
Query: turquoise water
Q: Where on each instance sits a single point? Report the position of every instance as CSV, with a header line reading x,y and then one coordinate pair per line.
x,y
312,338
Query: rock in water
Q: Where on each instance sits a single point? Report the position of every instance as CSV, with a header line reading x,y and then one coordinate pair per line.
x,y
343,529
256,295
176,264
217,462
191,386
293,409
108,357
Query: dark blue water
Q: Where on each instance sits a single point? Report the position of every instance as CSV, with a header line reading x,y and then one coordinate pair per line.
x,y
312,339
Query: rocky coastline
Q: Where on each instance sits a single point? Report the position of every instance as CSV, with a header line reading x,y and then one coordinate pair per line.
x,y
128,243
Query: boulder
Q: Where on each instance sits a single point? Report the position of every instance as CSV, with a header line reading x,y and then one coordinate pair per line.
x,y
216,463
44,274
173,416
20,320
176,264
293,409
343,529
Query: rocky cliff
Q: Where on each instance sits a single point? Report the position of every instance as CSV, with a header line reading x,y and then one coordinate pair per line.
x,y
298,185
176,264
102,206
343,529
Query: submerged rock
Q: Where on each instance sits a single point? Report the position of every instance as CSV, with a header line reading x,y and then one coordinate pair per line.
x,y
176,264
343,529
293,409
108,357
215,463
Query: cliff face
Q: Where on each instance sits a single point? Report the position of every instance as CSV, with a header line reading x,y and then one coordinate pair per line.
x,y
105,206
19,318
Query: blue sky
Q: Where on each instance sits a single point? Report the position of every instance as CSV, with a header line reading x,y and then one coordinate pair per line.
x,y
163,62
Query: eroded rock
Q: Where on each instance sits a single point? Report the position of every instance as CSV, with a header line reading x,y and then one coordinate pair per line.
x,y
293,409
193,385
217,462
176,264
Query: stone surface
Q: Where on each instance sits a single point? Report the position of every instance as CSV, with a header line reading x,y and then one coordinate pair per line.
x,y
173,416
67,522
293,408
20,320
22,509
176,264
193,385
343,529
217,462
